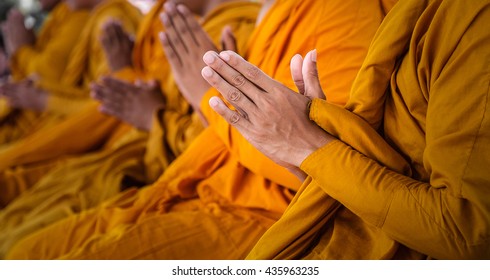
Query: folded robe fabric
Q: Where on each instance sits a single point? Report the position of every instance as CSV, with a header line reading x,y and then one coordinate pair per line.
x,y
86,62
408,178
49,56
212,202
84,181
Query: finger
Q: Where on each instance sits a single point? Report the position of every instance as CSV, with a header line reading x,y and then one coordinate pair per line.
x,y
232,94
232,117
148,85
172,56
170,29
112,111
121,34
118,85
107,97
296,66
313,88
228,40
234,78
200,36
248,70
184,31
110,33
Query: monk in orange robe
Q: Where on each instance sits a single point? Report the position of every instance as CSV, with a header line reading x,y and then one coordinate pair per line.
x,y
221,194
83,182
45,55
53,99
402,170
49,98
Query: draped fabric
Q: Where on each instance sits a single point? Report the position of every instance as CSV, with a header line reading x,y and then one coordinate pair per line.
x,y
86,62
208,204
409,177
82,182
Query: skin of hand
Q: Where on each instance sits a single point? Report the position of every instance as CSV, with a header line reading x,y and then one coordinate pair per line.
x,y
4,63
132,103
24,95
184,43
117,45
15,33
269,115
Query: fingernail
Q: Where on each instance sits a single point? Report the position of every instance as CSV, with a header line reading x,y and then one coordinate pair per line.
x,y
163,37
213,102
169,7
225,56
313,55
207,72
209,58
164,18
181,9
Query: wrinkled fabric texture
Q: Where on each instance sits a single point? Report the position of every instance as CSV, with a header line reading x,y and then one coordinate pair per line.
x,y
80,183
211,202
409,177
86,62
49,56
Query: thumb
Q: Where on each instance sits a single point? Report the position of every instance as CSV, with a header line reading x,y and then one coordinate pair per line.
x,y
313,88
228,40
296,72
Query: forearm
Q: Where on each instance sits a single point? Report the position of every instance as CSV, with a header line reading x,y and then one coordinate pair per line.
x,y
423,217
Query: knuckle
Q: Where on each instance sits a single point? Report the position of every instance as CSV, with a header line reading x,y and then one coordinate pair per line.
x,y
234,95
238,81
234,117
252,72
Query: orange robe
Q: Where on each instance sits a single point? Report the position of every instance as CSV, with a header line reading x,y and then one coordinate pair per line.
x,y
50,54
212,202
86,63
84,181
409,178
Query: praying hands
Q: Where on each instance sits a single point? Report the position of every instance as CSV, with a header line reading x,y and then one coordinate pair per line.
x,y
268,114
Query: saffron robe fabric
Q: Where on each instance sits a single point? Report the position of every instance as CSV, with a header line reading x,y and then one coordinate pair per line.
x,y
209,204
49,56
409,177
82,182
86,63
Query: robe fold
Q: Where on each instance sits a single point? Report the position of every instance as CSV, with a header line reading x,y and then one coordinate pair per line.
x,y
68,92
409,177
211,203
49,56
66,96
82,182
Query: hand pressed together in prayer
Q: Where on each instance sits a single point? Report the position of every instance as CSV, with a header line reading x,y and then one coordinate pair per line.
x,y
131,103
185,42
117,45
269,115
24,95
15,33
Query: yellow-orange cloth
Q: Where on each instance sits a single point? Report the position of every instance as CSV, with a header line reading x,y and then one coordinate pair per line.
x,y
83,182
208,204
50,54
86,62
409,178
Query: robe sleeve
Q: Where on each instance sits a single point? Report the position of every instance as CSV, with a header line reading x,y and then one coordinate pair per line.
x,y
449,216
